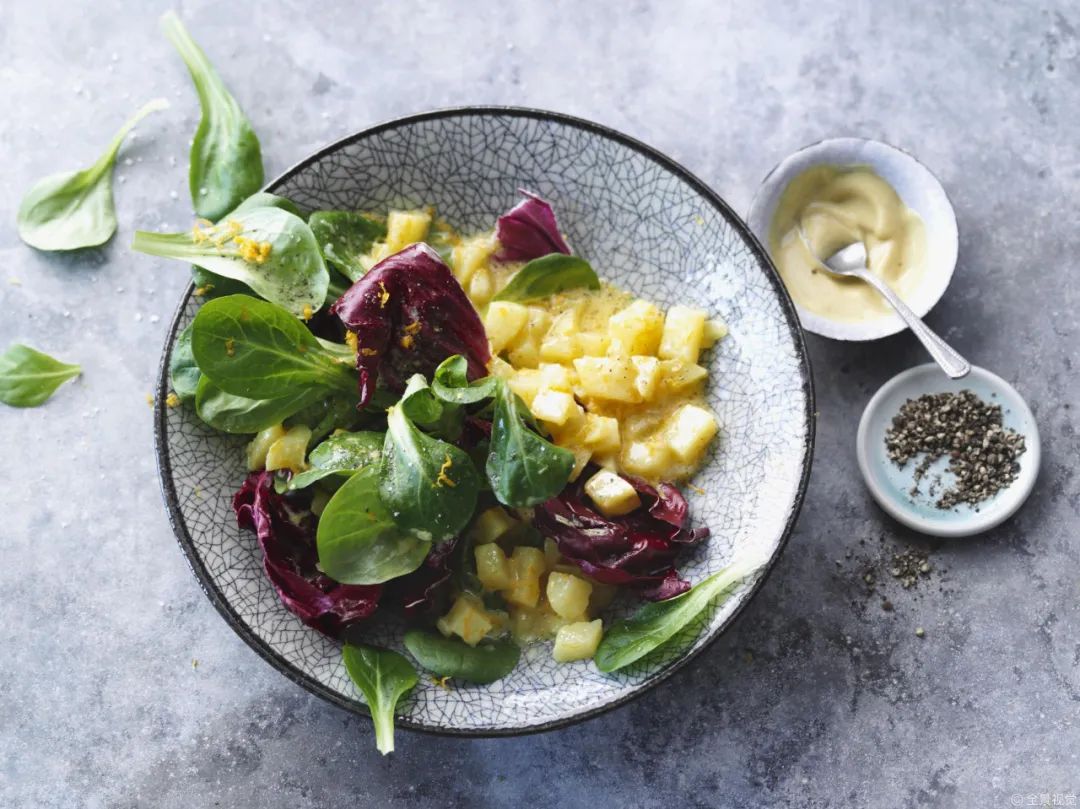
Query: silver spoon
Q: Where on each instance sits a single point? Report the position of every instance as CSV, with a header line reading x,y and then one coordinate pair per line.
x,y
851,262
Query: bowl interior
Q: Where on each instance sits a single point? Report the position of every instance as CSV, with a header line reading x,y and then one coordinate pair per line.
x,y
914,184
647,226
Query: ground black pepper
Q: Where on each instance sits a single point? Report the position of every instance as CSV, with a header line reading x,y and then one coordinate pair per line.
x,y
982,453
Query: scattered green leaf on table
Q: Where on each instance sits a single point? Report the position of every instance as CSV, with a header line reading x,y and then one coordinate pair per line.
x,y
28,378
345,238
523,467
242,415
184,372
547,276
656,623
341,455
429,485
452,657
383,677
75,209
226,161
268,249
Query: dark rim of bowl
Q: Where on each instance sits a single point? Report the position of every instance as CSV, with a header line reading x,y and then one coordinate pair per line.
x,y
263,649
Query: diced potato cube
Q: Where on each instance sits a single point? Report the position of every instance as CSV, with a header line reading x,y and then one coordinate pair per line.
x,y
467,619
601,433
612,378
593,344
557,377
555,406
648,376
677,376
501,368
490,525
642,424
612,495
526,383
406,227
492,567
551,553
260,444
481,287
689,432
548,622
637,329
581,460
527,565
526,353
559,348
470,256
539,322
568,595
503,323
683,332
290,451
715,330
378,252
607,460
646,458
577,641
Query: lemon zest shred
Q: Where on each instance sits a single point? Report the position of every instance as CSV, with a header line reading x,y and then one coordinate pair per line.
x,y
442,682
230,347
413,327
172,400
695,489
369,352
351,340
407,341
307,313
384,296
444,479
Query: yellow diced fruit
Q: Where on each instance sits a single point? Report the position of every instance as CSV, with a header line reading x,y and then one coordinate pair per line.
x,y
689,432
557,377
577,641
467,619
539,322
613,378
568,595
289,451
492,567
548,622
581,460
607,460
612,495
501,368
677,376
526,565
648,376
470,256
601,433
684,328
635,330
593,344
503,322
406,227
378,252
525,353
560,344
490,525
481,287
260,444
526,383
646,458
551,553
555,406
715,331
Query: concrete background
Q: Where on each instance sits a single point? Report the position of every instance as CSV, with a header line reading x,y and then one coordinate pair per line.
x,y
817,697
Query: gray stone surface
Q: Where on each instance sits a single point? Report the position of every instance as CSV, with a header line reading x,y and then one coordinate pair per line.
x,y
817,697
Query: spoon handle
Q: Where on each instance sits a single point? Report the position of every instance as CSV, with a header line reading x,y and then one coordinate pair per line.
x,y
946,356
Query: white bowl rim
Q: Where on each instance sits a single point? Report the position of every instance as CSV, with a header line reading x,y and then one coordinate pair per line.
x,y
779,176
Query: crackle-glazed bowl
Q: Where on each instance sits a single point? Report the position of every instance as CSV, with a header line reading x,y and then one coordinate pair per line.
x,y
645,224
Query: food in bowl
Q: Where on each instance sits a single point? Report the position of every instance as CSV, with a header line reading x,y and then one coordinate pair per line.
x,y
473,431
824,209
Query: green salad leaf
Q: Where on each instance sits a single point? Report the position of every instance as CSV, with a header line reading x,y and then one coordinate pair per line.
x,y
658,622
28,377
345,237
340,456
429,485
358,540
242,415
383,677
226,160
264,199
547,276
184,372
451,383
268,249
431,413
75,209
255,349
452,657
523,467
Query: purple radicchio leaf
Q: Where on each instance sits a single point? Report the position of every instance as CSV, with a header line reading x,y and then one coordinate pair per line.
x,y
409,314
287,538
636,550
528,231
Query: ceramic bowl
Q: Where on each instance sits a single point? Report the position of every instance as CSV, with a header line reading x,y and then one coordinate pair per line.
x,y
891,486
915,185
647,225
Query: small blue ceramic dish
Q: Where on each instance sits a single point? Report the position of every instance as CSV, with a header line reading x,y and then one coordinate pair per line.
x,y
891,485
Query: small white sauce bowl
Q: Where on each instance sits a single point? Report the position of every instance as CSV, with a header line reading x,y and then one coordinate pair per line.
x,y
916,186
891,485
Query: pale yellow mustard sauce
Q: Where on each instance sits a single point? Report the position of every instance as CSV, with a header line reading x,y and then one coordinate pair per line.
x,y
836,206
